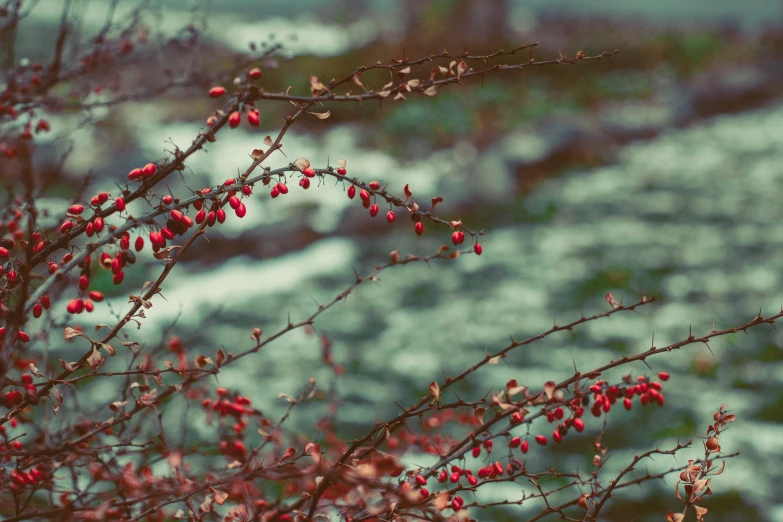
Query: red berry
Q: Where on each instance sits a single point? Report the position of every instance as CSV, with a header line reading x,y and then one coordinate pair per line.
x,y
421,481
241,210
201,216
103,197
541,440
556,436
477,249
45,302
390,216
134,174
37,310
458,237
309,172
96,296
351,191
253,118
524,446
419,228
282,188
118,277
139,244
476,451
234,119
664,376
374,185
75,209
364,195
221,215
120,203
75,306
4,253
274,192
341,171
149,170
304,183
84,282
66,227
579,425
373,210
217,92
254,73
233,202
513,443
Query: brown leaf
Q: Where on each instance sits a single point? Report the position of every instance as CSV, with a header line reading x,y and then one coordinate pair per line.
x,y
34,370
384,94
435,390
321,115
671,516
462,68
220,496
549,389
316,86
95,360
268,141
70,333
413,84
109,348
400,96
220,356
700,512
257,154
341,163
432,90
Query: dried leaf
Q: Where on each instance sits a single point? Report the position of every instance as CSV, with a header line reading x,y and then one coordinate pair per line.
x,y
202,361
413,84
179,514
316,86
407,191
321,115
384,94
70,333
109,348
358,82
549,389
220,356
435,390
68,367
671,516
257,154
286,397
34,370
700,512
400,96
387,86
432,90
462,68
441,501
268,141
95,360
220,496
302,163
341,163
435,201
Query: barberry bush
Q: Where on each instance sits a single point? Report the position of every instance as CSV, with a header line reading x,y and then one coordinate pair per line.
x,y
90,436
